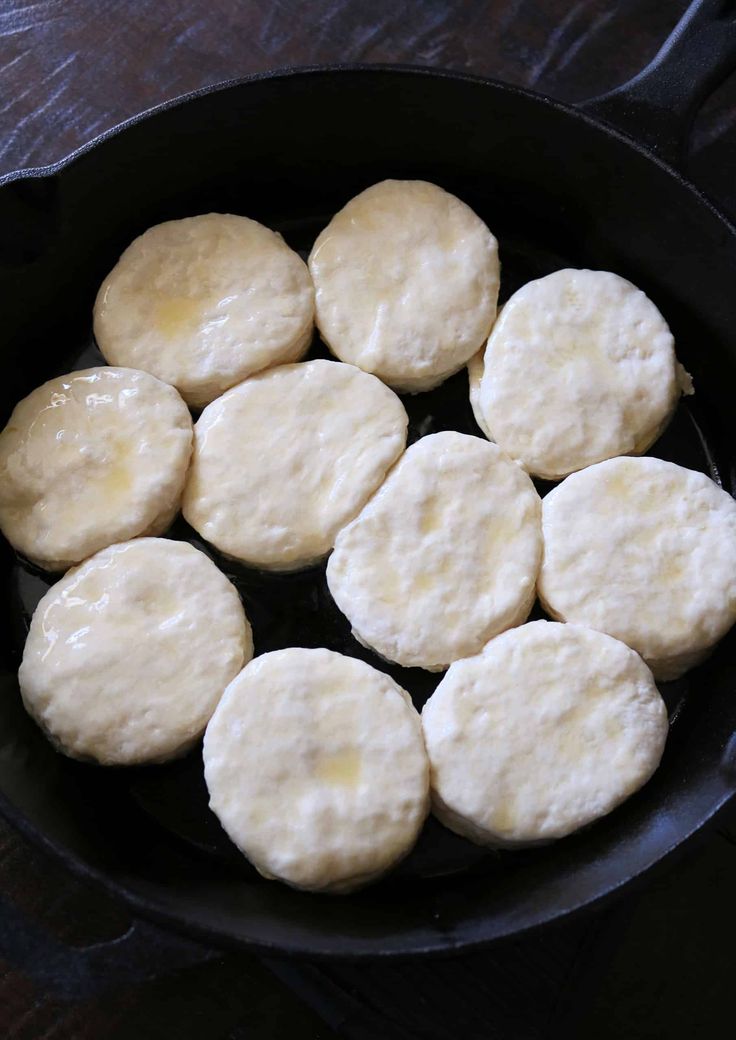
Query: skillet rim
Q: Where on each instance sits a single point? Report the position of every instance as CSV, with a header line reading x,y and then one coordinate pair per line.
x,y
580,110
443,946
373,948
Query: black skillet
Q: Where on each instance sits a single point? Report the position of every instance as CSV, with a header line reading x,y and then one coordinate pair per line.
x,y
560,187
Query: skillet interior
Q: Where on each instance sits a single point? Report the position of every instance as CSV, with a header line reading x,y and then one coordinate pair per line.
x,y
289,150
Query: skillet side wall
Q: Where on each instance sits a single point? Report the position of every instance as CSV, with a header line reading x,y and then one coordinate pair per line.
x,y
290,149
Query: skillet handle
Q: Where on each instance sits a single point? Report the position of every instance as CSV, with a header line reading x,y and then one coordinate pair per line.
x,y
62,971
657,107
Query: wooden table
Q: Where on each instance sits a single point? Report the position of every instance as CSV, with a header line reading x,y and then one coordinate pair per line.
x,y
659,963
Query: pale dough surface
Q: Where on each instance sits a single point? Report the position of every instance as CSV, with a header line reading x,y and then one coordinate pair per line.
x,y
549,728
646,551
92,458
444,556
284,460
316,768
128,655
406,278
580,367
475,375
204,302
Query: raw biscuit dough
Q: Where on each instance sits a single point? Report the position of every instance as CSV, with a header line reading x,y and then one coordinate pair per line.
x,y
128,655
204,302
646,551
316,769
284,460
475,375
444,556
579,367
406,278
549,728
92,458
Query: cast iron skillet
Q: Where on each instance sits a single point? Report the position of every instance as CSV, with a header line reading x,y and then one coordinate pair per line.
x,y
560,187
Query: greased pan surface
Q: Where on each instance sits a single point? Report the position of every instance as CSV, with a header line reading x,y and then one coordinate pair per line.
x,y
289,149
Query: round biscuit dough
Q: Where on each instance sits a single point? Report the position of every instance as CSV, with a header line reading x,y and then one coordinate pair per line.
x,y
204,302
284,460
475,375
579,367
316,768
406,278
646,551
91,458
549,728
444,556
128,655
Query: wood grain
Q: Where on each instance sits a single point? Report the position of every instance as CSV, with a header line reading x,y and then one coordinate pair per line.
x,y
71,69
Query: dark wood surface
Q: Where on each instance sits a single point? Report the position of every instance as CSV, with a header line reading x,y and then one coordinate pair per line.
x,y
660,962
